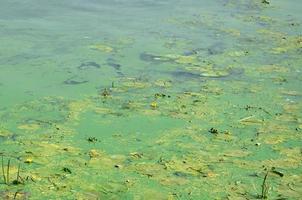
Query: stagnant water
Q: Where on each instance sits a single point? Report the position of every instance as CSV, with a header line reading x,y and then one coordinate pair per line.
x,y
151,99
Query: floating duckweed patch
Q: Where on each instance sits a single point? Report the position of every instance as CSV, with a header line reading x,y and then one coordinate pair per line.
x,y
136,100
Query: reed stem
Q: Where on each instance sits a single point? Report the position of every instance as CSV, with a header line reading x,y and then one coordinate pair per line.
x,y
7,172
3,173
18,173
264,186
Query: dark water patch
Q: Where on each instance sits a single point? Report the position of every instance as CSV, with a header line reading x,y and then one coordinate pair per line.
x,y
184,74
120,73
116,66
13,137
230,74
113,63
236,73
10,136
189,52
245,7
217,48
74,81
42,122
87,65
19,58
147,57
193,51
214,49
24,10
180,174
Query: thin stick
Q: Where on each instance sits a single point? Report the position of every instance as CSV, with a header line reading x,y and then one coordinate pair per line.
x,y
4,178
7,172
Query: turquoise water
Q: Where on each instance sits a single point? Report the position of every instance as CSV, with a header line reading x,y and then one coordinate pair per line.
x,y
144,99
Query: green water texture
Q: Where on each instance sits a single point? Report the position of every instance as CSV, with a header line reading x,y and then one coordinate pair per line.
x,y
151,99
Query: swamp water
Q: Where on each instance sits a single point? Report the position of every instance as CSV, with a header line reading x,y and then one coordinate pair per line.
x,y
150,99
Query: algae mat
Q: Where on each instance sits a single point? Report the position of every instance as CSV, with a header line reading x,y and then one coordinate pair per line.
x,y
145,99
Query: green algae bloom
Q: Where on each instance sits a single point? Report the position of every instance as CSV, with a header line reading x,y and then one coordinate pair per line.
x,y
145,99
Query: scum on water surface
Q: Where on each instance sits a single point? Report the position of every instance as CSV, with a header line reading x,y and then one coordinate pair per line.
x,y
151,100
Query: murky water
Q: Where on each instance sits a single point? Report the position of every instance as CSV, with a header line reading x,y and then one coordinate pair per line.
x,y
145,99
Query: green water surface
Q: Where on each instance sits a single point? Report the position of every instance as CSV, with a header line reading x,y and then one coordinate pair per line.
x,y
150,99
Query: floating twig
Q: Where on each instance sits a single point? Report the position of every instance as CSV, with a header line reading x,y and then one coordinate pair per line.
x,y
273,170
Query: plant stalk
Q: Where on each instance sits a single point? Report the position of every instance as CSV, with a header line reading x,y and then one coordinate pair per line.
x,y
3,173
7,172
